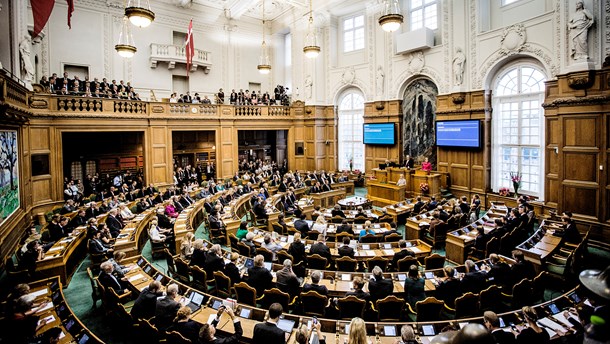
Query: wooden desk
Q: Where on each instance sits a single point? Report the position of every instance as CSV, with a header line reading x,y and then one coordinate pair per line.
x,y
542,244
64,256
348,186
328,198
399,210
383,194
133,236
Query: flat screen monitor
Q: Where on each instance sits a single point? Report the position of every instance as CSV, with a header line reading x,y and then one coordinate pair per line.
x,y
463,133
286,325
379,134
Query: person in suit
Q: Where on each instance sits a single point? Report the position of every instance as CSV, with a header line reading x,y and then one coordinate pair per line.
x,y
93,210
184,325
492,322
249,241
167,308
258,277
214,261
268,332
380,287
231,269
448,289
207,334
345,249
404,252
417,207
287,280
358,286
270,244
198,257
297,249
96,246
337,211
521,269
345,227
108,280
498,272
321,248
316,276
474,280
571,233
301,225
409,162
113,223
414,286
145,304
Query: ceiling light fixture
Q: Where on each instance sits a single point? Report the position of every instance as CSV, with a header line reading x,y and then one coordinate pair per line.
x,y
126,47
311,49
139,15
264,66
391,19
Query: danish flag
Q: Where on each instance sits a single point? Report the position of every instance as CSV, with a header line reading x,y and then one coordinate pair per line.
x,y
190,47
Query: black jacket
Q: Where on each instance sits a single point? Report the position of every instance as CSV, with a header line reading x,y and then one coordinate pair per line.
x,y
346,251
380,288
297,251
165,312
189,329
400,255
322,250
320,289
213,263
268,333
301,226
198,258
232,272
234,338
260,279
145,305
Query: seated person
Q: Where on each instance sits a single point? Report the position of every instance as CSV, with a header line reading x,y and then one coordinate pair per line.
x,y
345,249
97,246
320,225
301,225
166,308
316,276
404,252
214,261
297,249
109,281
474,280
358,286
270,244
32,255
199,254
287,280
401,180
231,270
259,278
337,211
366,230
145,304
242,230
414,286
216,225
522,268
249,241
449,289
184,325
320,248
360,212
345,227
208,331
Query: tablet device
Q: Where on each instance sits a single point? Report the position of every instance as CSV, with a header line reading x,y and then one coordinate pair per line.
x,y
268,265
402,277
409,244
147,269
502,323
428,330
389,331
574,297
249,263
429,275
286,325
84,339
140,262
366,247
216,304
54,285
159,278
387,246
553,308
245,313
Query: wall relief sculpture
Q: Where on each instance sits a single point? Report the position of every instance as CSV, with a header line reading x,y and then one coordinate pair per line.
x,y
419,109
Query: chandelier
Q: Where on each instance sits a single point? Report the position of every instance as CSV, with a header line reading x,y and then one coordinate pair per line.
x,y
391,18
139,13
264,66
311,49
126,47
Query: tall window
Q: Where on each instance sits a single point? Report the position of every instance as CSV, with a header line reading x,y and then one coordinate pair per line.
x,y
353,33
351,120
508,2
423,13
518,129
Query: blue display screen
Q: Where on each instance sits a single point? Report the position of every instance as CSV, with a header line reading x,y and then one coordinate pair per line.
x,y
379,134
465,133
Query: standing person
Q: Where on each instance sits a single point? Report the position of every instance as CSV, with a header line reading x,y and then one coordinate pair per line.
x,y
268,332
426,166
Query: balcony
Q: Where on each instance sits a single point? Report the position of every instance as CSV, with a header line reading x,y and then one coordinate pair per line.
x,y
173,54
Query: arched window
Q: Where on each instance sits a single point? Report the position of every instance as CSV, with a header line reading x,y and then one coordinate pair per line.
x,y
351,120
518,129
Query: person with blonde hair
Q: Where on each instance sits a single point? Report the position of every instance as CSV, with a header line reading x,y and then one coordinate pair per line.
x,y
258,277
184,325
186,246
297,249
320,225
231,269
532,333
199,253
119,269
357,332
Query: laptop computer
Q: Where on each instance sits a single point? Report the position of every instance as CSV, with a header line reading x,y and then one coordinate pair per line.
x,y
196,300
268,266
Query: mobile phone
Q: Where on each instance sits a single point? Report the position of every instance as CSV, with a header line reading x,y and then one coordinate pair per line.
x,y
315,320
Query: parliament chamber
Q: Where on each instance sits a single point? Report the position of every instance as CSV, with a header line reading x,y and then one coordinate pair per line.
x,y
437,174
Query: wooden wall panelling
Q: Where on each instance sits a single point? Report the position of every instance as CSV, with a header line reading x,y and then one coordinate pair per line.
x,y
158,139
227,155
383,112
42,186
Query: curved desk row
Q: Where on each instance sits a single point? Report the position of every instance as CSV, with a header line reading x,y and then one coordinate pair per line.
x,y
378,332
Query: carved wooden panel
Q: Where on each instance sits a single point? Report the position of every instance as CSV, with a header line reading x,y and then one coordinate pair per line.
x,y
41,189
581,200
553,133
581,132
40,139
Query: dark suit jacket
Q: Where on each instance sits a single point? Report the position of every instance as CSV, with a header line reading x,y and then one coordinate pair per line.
x,y
473,282
297,251
109,282
96,247
287,281
165,312
232,272
503,337
359,294
322,250
198,258
145,305
268,333
381,288
189,329
500,273
448,290
260,279
114,225
521,270
400,255
337,213
56,232
320,289
345,228
213,263
301,226
346,251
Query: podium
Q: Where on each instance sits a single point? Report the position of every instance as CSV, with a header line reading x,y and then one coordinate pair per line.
x,y
383,194
433,180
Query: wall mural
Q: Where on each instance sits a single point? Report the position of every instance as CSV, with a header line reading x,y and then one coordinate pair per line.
x,y
9,173
419,109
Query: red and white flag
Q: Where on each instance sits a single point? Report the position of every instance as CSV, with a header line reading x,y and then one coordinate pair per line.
x,y
41,11
190,47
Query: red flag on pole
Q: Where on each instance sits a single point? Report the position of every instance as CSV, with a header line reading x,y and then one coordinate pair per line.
x,y
70,10
41,9
189,48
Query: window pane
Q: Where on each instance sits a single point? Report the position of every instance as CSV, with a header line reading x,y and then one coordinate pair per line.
x,y
417,19
430,17
348,24
416,3
359,21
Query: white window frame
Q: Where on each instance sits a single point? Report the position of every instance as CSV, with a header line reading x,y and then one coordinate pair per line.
x,y
523,133
508,2
425,5
353,31
350,147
